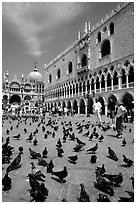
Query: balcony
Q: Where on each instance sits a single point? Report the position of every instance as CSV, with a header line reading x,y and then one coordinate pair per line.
x,y
102,89
97,90
82,69
131,84
109,88
115,87
123,86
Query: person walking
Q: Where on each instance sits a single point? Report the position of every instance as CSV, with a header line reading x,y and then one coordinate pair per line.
x,y
121,111
112,105
97,109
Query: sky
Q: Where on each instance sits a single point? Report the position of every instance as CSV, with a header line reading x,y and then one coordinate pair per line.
x,y
39,31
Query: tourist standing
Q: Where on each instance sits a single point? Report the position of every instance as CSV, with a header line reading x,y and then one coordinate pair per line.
x,y
97,109
121,111
112,105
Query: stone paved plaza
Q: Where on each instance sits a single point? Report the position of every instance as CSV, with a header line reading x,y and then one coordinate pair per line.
x,y
81,172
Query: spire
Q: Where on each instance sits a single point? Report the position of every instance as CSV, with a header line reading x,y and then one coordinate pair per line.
x,y
79,35
7,74
85,28
35,69
22,77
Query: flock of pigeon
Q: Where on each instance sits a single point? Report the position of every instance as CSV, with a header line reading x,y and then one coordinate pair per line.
x,y
105,182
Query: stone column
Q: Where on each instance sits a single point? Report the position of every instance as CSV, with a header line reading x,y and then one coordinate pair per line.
x,y
119,81
86,87
95,86
112,83
82,89
78,90
127,80
72,90
86,109
90,87
106,108
100,85
105,83
78,109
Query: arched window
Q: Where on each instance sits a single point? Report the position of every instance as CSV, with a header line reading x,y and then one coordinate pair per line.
x,y
84,60
105,49
99,37
123,76
111,28
58,74
131,74
50,78
70,67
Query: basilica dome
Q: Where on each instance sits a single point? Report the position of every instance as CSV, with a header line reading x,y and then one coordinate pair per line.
x,y
35,76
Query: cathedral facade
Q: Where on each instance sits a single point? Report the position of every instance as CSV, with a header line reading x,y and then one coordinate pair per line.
x,y
100,63
26,94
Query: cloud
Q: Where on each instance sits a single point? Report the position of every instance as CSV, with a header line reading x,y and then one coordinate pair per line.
x,y
31,19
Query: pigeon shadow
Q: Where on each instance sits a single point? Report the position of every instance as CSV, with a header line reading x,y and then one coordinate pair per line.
x,y
72,162
90,152
125,165
58,180
112,136
114,159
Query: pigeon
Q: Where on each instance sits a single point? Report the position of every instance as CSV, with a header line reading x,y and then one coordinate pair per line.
x,y
77,148
6,182
20,149
93,149
84,197
45,152
7,131
101,170
53,135
132,179
7,140
50,167
42,162
93,159
101,138
60,152
33,154
112,154
91,137
43,128
130,130
35,142
33,181
80,131
73,158
11,128
128,161
39,176
15,163
17,136
59,145
105,128
5,159
61,174
86,134
102,198
39,194
124,143
45,136
64,138
118,179
30,137
103,185
80,142
25,130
